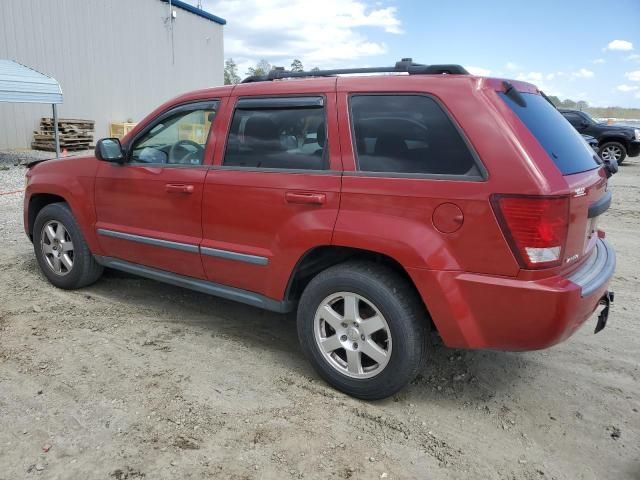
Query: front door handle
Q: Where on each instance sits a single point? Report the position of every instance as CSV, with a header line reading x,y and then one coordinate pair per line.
x,y
178,188
306,198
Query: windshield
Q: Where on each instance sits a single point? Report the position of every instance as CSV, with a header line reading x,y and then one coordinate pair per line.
x,y
590,118
562,142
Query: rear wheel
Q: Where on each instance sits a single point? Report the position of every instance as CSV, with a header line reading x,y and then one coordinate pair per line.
x,y
60,248
362,326
613,151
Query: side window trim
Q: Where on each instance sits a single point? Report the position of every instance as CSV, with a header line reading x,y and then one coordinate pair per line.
x,y
484,174
282,102
256,103
183,107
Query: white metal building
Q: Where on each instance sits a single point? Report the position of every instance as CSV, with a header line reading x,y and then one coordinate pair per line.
x,y
114,59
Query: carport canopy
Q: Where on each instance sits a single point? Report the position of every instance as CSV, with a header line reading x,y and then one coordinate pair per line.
x,y
22,84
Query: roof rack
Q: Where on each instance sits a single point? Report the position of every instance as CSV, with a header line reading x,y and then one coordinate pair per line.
x,y
405,65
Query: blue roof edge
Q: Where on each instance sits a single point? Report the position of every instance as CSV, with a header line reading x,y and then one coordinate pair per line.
x,y
197,11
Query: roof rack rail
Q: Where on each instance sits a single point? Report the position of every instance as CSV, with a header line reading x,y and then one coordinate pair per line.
x,y
405,65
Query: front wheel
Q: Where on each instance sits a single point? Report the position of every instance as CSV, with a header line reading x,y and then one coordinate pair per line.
x,y
61,251
363,326
613,151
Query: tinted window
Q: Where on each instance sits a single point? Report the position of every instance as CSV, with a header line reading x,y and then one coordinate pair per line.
x,y
407,134
574,119
562,142
278,134
178,139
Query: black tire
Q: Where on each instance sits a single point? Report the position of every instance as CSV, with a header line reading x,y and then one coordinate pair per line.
x,y
614,146
84,270
398,302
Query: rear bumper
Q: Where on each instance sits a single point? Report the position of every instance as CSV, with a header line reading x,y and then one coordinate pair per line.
x,y
502,313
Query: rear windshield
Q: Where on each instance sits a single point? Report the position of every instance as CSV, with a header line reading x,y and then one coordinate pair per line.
x,y
562,142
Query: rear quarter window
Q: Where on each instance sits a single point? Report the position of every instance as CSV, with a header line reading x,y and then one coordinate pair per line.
x,y
557,136
408,135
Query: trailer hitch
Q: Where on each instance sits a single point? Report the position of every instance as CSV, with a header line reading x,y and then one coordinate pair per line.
x,y
606,300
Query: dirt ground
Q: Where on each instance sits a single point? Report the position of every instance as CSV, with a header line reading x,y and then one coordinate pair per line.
x,y
134,379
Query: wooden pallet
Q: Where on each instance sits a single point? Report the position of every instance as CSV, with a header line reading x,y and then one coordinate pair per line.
x,y
73,134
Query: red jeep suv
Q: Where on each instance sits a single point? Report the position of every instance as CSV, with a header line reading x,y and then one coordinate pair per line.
x,y
378,206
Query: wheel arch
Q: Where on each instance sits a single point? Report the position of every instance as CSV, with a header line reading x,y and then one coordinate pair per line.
x,y
37,202
319,258
614,138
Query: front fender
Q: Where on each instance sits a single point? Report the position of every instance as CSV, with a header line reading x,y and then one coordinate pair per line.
x,y
73,180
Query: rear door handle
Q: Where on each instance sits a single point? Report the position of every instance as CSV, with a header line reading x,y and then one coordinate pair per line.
x,y
306,198
178,188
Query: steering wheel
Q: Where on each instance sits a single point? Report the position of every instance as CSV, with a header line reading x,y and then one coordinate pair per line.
x,y
185,159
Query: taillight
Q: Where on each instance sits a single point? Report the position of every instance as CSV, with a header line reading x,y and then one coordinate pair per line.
x,y
535,227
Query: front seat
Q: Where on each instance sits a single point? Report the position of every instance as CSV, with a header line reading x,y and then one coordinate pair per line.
x,y
390,146
262,135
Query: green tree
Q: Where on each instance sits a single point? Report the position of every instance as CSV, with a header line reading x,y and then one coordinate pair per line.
x,y
315,69
296,65
231,76
568,103
262,68
582,104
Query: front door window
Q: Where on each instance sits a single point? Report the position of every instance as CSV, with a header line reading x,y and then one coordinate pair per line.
x,y
177,139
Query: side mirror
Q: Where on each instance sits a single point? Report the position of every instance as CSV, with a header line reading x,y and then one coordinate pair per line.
x,y
109,150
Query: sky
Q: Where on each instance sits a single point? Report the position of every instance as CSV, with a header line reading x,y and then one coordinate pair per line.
x,y
583,50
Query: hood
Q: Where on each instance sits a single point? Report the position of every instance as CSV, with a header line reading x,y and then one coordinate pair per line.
x,y
70,158
617,128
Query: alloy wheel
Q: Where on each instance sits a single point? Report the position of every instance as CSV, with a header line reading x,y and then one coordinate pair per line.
x,y
352,335
611,152
57,247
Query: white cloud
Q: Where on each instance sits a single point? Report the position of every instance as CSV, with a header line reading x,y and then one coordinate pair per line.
x,y
633,76
481,72
582,73
598,61
530,77
327,35
627,88
634,57
622,45
512,67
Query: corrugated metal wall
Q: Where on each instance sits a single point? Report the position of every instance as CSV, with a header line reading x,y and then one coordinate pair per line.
x,y
111,57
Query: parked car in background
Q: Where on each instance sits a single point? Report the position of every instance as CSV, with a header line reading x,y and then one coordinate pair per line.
x,y
615,142
378,207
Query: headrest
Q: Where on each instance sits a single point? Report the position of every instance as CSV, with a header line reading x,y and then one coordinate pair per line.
x,y
261,133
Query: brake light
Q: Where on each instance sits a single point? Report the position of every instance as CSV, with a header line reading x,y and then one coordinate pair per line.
x,y
535,227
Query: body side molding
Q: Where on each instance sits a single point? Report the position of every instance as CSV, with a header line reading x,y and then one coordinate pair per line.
x,y
203,286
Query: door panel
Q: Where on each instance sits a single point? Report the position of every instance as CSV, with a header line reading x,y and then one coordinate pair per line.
x,y
247,213
149,210
134,200
258,222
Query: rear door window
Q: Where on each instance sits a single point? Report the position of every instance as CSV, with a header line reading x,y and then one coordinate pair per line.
x,y
561,141
278,133
408,135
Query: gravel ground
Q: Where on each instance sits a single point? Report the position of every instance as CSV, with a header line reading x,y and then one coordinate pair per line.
x,y
134,379
21,156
